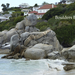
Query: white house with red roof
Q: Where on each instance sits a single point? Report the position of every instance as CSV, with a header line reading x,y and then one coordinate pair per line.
x,y
32,12
42,10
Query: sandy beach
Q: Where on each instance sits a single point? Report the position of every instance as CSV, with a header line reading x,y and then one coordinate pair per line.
x,y
4,51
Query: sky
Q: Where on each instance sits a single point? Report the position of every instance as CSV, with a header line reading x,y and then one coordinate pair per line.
x,y
16,3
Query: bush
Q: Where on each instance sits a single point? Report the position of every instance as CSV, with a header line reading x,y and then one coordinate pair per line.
x,y
16,14
18,19
52,12
66,35
6,25
14,9
42,26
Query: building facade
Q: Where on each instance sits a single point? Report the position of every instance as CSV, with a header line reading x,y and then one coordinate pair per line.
x,y
24,5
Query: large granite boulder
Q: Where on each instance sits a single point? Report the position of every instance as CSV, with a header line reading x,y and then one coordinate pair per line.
x,y
30,20
38,51
31,29
6,35
14,41
28,24
69,53
20,25
10,33
54,55
45,37
31,38
3,37
69,66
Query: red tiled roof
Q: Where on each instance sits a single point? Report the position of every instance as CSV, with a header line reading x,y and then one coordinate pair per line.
x,y
33,12
40,13
48,6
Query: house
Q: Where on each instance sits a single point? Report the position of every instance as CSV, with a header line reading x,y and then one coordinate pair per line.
x,y
26,11
10,12
42,10
7,15
64,2
32,12
2,18
68,2
35,8
24,5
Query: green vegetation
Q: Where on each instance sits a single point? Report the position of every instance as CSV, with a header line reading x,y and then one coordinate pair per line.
x,y
10,23
17,16
14,9
66,35
17,13
5,7
64,28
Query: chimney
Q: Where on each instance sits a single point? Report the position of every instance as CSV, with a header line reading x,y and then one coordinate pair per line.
x,y
52,5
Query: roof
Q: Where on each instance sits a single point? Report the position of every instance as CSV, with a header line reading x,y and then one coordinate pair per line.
x,y
33,12
25,4
40,13
48,6
2,17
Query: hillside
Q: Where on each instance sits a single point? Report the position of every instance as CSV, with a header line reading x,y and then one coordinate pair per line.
x,y
64,28
17,16
63,24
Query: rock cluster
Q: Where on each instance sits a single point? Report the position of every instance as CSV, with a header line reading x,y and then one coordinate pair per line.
x,y
69,66
27,41
26,25
69,53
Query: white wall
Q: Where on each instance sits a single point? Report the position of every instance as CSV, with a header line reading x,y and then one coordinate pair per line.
x,y
39,16
35,8
68,2
43,10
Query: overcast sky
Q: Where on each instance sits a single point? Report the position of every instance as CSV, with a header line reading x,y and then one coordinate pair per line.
x,y
15,3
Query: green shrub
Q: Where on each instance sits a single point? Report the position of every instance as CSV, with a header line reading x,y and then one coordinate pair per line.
x,y
18,13
18,19
6,25
53,12
42,26
66,35
14,9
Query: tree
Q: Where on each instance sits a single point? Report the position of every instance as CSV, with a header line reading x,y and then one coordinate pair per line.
x,y
53,12
70,0
5,7
36,5
44,3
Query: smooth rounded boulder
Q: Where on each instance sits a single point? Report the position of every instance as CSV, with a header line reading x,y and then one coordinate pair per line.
x,y
38,51
69,53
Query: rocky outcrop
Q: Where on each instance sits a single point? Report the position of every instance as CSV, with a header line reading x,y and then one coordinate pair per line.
x,y
17,53
68,66
3,36
26,25
38,51
26,35
54,55
69,53
33,39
